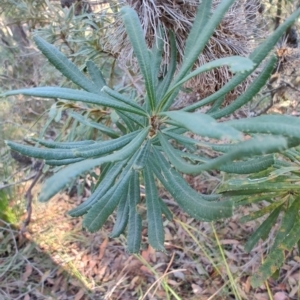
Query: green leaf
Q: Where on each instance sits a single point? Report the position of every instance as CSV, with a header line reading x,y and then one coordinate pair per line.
x,y
203,125
62,162
104,207
281,125
105,184
67,68
251,91
96,75
216,105
240,200
245,149
179,163
106,130
41,152
277,257
157,53
166,81
258,145
264,176
63,145
141,121
120,97
165,210
105,147
55,183
241,187
250,166
191,157
136,36
76,95
263,230
235,63
142,157
155,226
205,33
201,19
184,140
287,222
263,211
122,216
101,148
95,149
186,197
134,235
190,141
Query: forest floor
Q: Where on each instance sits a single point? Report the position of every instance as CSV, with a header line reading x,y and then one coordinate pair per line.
x,y
56,259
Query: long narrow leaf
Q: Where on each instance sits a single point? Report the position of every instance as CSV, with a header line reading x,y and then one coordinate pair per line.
x,y
100,190
55,183
254,125
156,54
277,257
154,217
165,210
122,216
134,235
95,149
251,91
250,166
97,216
203,125
186,197
63,145
96,75
255,189
108,131
242,150
105,147
235,64
142,157
63,162
132,119
120,97
200,21
76,95
255,146
203,37
141,51
167,79
67,68
41,152
287,222
262,230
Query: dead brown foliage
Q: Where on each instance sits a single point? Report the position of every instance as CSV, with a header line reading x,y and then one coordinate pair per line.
x,y
234,36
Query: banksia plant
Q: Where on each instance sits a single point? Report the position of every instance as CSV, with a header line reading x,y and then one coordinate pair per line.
x,y
277,187
143,145
233,36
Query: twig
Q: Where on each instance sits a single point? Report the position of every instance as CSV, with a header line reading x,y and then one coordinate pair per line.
x,y
2,187
28,197
265,109
290,86
282,85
